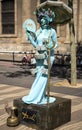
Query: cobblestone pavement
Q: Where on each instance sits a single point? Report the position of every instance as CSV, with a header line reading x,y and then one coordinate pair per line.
x,y
8,93
13,84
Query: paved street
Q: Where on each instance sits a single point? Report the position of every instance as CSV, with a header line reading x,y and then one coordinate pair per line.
x,y
15,81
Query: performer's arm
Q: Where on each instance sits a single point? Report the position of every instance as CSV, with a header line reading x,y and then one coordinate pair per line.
x,y
32,38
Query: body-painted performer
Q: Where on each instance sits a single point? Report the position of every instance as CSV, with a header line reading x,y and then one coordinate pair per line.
x,y
43,39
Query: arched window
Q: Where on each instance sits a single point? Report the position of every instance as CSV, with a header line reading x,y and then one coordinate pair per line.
x,y
8,18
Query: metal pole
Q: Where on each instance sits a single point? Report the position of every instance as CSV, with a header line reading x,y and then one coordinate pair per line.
x,y
48,87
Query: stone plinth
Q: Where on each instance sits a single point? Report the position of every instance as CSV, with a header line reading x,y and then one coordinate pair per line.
x,y
44,117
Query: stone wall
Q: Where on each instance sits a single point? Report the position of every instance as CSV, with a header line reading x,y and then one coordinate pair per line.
x,y
23,10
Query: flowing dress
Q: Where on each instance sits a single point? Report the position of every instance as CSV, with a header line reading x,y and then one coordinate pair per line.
x,y
37,93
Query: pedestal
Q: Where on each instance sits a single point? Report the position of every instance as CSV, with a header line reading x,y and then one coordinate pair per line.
x,y
44,117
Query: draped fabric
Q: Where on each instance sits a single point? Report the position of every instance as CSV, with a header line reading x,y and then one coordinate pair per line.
x,y
37,93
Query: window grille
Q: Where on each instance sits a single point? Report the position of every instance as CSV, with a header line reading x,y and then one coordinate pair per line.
x,y
8,26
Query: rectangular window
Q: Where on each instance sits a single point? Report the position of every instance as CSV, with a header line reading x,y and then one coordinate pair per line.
x,y
7,12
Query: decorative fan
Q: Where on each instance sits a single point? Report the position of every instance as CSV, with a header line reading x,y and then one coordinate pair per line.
x,y
29,25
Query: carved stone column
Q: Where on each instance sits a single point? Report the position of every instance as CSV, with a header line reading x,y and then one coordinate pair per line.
x,y
67,38
58,31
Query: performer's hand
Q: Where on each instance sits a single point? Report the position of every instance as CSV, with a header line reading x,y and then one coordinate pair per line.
x,y
29,33
50,45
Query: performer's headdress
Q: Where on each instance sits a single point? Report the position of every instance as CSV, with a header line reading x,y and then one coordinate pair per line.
x,y
48,13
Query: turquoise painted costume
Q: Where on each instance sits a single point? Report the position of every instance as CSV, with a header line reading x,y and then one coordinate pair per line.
x,y
37,93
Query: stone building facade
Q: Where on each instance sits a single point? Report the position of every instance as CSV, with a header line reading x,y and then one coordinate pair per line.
x,y
14,12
